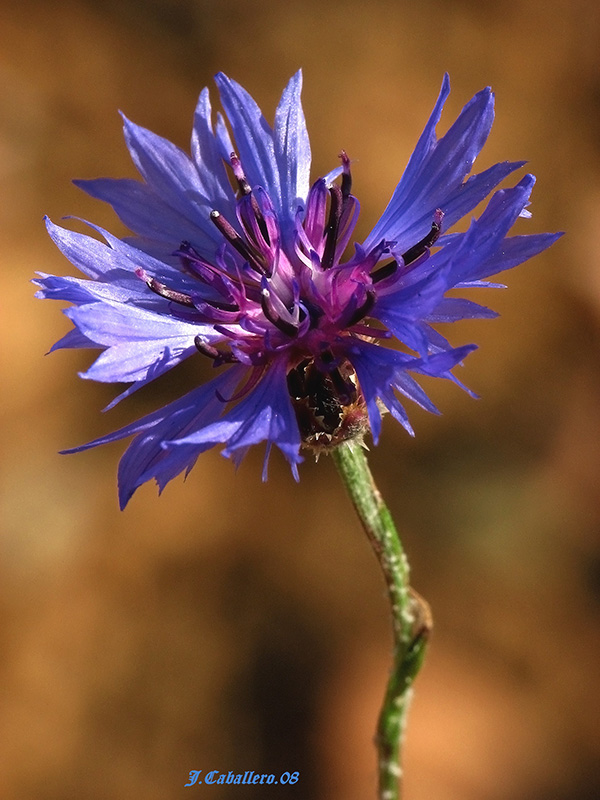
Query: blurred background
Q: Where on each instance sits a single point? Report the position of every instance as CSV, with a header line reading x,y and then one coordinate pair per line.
x,y
235,625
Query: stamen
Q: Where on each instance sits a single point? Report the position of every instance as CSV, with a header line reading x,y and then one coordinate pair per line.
x,y
261,220
253,223
246,189
161,289
205,348
346,175
193,264
384,272
331,231
315,312
363,310
217,356
236,241
427,241
413,252
284,326
239,174
221,306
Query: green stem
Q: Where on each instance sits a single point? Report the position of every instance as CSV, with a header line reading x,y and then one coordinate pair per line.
x,y
410,614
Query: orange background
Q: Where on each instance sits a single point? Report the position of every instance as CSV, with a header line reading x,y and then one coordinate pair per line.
x,y
231,624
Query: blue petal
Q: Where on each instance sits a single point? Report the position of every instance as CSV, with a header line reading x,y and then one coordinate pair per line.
x,y
468,195
428,139
253,137
224,142
207,153
148,214
452,309
167,170
399,310
265,414
514,251
109,323
94,258
137,340
435,173
146,457
78,290
292,149
380,370
137,361
375,369
116,262
414,226
74,339
441,364
482,250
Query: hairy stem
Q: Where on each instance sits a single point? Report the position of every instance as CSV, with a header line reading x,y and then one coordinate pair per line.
x,y
411,620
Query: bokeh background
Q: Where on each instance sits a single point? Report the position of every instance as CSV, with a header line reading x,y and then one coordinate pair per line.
x,y
236,625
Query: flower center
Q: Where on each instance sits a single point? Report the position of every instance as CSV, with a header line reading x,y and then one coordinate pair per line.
x,y
273,294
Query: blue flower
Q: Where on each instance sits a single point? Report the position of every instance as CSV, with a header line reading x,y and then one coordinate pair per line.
x,y
237,258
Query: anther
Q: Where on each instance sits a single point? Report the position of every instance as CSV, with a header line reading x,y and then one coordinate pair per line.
x,y
205,348
384,272
222,306
331,231
413,252
236,241
346,175
427,241
217,356
239,174
363,310
261,220
283,325
161,289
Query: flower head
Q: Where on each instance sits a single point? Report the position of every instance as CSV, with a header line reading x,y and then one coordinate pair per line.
x,y
237,258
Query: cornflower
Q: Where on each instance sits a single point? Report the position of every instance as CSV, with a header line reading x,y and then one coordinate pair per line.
x,y
237,258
